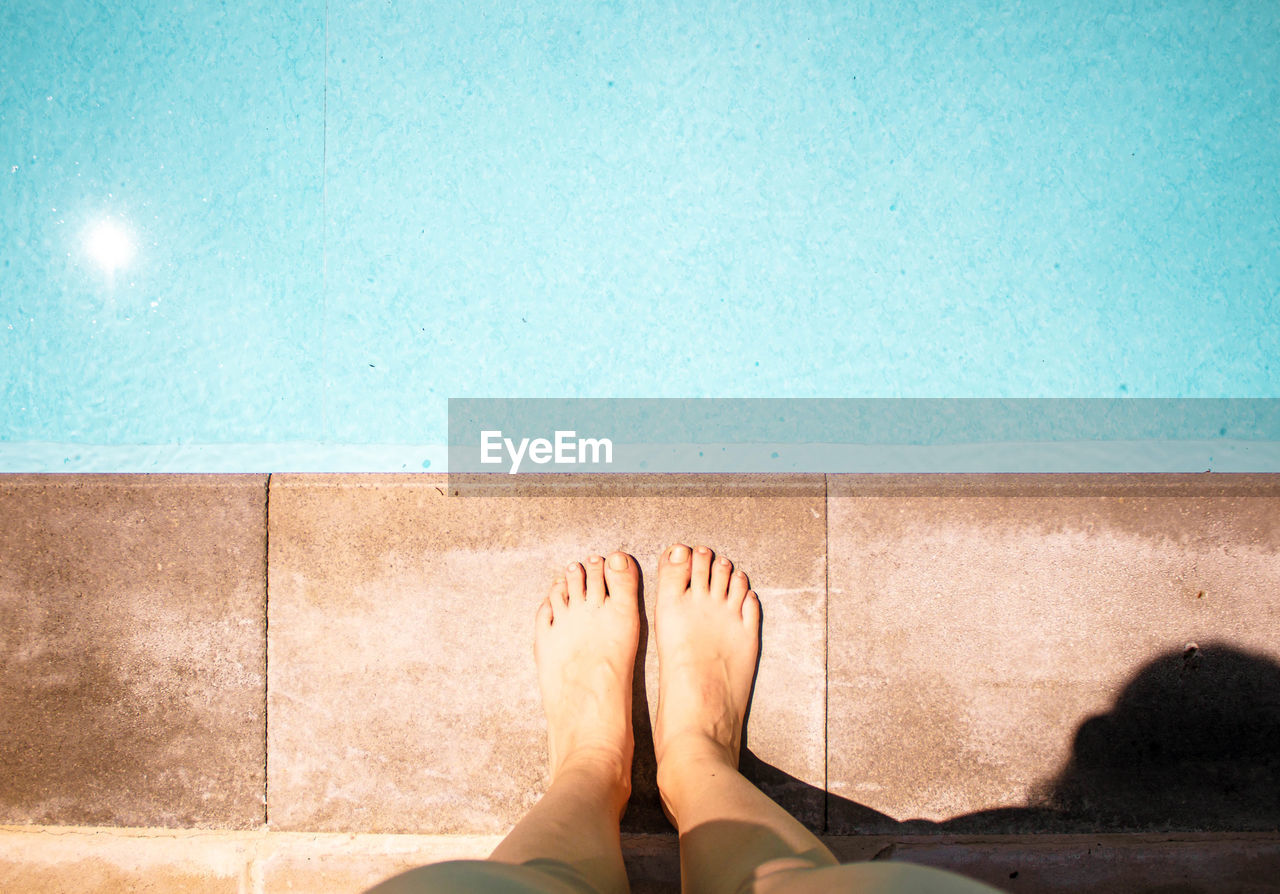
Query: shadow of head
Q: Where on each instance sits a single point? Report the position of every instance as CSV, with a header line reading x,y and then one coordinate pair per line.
x,y
1192,742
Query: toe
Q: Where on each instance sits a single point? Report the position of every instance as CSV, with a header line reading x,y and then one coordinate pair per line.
x,y
721,570
673,571
545,613
737,589
751,610
701,576
559,595
576,580
622,576
595,581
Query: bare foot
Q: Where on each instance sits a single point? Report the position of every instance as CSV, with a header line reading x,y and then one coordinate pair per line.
x,y
706,625
585,646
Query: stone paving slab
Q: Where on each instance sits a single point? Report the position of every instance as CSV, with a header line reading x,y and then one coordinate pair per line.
x,y
131,629
1086,864
402,691
351,864
86,860
1031,653
59,860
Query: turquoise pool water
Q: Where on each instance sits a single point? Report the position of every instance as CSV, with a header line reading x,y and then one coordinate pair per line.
x,y
255,239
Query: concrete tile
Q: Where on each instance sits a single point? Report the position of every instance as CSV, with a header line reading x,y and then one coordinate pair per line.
x,y
61,860
352,864
1085,864
402,691
131,624
99,877
333,863
45,860
1030,653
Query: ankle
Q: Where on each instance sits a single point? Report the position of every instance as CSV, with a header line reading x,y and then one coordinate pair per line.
x,y
686,761
601,770
695,746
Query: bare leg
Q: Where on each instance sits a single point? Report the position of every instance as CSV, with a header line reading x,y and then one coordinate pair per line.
x,y
707,628
587,631
733,837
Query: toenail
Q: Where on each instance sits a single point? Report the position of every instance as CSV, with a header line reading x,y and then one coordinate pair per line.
x,y
702,550
572,566
724,562
618,562
594,560
677,554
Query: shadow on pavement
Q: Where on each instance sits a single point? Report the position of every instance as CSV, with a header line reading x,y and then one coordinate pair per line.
x,y
1192,743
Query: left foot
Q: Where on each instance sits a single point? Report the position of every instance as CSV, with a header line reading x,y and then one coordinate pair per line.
x,y
585,643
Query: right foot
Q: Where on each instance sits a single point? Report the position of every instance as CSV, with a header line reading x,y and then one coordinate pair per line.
x,y
707,628
585,646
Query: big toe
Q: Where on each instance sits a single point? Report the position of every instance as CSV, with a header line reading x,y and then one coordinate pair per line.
x,y
674,571
622,580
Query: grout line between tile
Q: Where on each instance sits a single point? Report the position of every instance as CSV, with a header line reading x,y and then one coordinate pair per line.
x,y
826,649
266,647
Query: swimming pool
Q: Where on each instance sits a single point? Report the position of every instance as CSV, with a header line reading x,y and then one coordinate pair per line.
x,y
282,239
